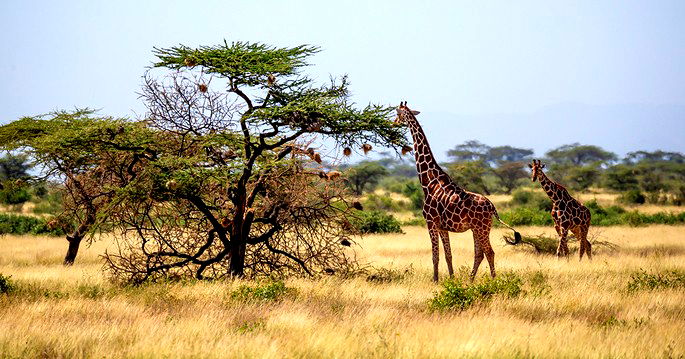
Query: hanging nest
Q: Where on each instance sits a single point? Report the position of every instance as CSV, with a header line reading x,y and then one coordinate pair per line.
x,y
357,205
189,62
172,185
317,158
202,87
366,148
347,151
406,149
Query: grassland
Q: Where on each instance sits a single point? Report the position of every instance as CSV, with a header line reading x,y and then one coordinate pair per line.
x,y
572,309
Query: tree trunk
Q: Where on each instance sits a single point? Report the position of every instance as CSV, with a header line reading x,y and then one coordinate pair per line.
x,y
76,237
237,265
72,251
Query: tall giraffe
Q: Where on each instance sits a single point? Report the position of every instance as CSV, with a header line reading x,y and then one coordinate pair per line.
x,y
567,212
447,207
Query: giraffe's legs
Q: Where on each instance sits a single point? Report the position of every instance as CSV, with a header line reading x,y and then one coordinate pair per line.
x,y
562,250
448,251
478,254
489,253
435,238
585,245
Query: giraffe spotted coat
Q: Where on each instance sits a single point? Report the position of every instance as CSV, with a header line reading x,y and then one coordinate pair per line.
x,y
568,213
447,207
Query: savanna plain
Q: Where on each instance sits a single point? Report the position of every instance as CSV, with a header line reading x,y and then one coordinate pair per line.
x,y
620,304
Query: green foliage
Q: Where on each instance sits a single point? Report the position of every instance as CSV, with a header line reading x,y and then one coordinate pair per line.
x,y
581,178
49,204
509,175
418,220
414,192
383,203
14,167
376,222
469,175
642,280
14,194
525,216
17,224
365,176
580,155
620,178
6,285
459,295
270,291
634,196
531,199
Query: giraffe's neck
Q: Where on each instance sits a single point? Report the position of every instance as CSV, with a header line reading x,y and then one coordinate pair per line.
x,y
426,165
554,190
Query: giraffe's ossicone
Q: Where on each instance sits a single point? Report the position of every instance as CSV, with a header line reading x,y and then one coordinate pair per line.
x,y
447,207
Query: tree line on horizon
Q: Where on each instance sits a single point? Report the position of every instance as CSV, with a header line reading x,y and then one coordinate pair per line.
x,y
644,176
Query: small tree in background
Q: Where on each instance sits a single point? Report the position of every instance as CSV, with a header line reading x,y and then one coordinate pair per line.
x,y
365,175
510,175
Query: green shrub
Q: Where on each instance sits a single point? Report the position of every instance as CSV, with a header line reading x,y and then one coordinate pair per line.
x,y
383,203
633,196
416,221
414,192
264,292
525,198
458,295
524,216
49,204
14,195
376,222
653,281
18,224
6,285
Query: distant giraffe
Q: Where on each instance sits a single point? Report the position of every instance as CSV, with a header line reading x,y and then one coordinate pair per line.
x,y
447,207
567,212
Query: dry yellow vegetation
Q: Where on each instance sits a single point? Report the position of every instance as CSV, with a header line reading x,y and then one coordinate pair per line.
x,y
584,311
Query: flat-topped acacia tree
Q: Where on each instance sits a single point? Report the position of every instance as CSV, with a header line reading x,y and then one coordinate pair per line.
x,y
233,189
92,156
219,178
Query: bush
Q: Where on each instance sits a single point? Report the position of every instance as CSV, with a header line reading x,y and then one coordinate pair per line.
x,y
49,204
457,295
665,280
383,203
6,285
524,216
376,222
14,195
633,196
525,198
265,292
414,192
17,224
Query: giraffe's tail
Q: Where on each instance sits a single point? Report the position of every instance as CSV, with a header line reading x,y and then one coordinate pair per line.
x,y
517,235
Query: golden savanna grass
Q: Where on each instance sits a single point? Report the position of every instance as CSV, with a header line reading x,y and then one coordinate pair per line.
x,y
585,310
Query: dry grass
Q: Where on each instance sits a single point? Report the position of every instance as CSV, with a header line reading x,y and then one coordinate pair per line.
x,y
584,311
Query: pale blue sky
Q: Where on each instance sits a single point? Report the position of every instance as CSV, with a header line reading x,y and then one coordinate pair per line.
x,y
527,73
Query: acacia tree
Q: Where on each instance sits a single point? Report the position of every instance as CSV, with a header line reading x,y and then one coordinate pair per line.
x,y
91,156
234,189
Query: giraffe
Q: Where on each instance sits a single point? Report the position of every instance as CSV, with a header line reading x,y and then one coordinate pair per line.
x,y
567,212
447,207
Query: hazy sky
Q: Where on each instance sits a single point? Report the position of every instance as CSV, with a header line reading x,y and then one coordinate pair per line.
x,y
529,73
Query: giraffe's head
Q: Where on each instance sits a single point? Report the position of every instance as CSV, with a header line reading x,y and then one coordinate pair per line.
x,y
537,167
404,114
